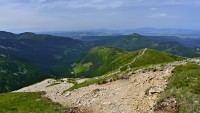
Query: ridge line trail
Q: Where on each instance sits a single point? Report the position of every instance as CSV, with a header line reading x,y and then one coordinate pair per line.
x,y
140,55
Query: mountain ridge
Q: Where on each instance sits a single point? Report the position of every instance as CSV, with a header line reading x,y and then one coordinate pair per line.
x,y
109,58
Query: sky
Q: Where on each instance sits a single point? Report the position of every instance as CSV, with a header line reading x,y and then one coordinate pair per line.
x,y
73,15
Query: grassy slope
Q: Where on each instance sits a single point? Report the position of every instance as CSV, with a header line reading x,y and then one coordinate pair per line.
x,y
155,57
123,61
185,86
28,103
101,60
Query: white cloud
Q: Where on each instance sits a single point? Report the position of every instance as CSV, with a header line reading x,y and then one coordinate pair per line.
x,y
80,4
153,8
158,15
162,14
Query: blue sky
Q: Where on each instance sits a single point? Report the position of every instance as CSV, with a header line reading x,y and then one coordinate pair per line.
x,y
67,15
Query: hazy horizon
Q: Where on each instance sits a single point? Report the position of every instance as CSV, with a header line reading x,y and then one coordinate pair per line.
x,y
75,15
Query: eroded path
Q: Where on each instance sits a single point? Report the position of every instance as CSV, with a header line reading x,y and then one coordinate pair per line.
x,y
136,94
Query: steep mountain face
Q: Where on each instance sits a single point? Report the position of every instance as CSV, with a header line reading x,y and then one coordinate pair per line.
x,y
51,52
135,42
101,60
15,74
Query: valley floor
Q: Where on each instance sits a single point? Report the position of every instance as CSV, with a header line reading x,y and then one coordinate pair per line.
x,y
138,93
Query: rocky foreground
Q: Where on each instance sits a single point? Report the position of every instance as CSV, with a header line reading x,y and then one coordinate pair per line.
x,y
138,92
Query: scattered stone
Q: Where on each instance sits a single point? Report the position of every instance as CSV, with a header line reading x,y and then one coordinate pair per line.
x,y
75,110
168,105
67,94
154,90
154,98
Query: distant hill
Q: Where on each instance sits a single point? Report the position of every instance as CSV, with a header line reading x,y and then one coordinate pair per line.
x,y
50,52
110,32
166,31
101,60
15,74
84,33
186,41
135,42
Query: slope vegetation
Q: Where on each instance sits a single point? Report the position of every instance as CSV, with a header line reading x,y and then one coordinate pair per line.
x,y
101,60
15,74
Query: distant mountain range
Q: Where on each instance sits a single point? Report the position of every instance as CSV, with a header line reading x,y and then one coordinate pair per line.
x,y
186,37
165,31
109,32
135,42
